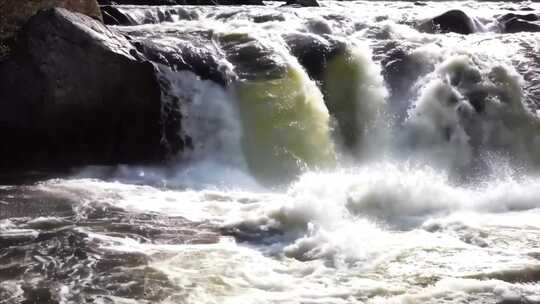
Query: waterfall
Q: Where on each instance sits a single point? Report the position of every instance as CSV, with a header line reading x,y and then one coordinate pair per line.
x,y
285,119
276,103
343,154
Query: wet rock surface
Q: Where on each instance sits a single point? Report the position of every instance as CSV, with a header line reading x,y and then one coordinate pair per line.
x,y
314,52
113,16
397,60
454,21
302,3
515,23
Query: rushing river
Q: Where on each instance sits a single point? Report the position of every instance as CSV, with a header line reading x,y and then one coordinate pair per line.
x,y
333,155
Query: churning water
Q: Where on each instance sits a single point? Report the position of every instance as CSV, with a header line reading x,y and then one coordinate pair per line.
x,y
334,155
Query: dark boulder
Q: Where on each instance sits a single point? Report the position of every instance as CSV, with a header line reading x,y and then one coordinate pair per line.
x,y
454,21
338,73
240,2
514,23
302,3
526,17
400,69
526,9
268,18
194,53
516,26
74,93
314,52
246,2
251,59
113,16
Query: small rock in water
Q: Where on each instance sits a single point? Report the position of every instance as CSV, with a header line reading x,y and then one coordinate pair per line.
x,y
455,21
302,3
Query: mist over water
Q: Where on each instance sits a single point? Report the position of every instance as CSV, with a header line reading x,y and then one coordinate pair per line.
x,y
332,155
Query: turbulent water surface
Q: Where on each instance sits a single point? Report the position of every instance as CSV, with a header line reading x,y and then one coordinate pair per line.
x,y
334,155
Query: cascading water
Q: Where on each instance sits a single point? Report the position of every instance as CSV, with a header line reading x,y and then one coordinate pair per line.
x,y
330,155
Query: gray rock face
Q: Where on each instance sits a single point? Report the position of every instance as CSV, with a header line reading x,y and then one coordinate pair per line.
x,y
76,93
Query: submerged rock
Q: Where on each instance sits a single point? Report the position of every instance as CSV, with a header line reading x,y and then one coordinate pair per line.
x,y
526,17
302,3
74,93
347,81
514,23
397,60
314,52
454,21
328,63
282,111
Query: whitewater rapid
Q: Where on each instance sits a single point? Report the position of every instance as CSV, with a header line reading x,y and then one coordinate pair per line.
x,y
377,234
333,155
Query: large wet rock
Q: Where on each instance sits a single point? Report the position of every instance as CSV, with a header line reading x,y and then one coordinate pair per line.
x,y
454,21
74,93
16,12
514,23
314,52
